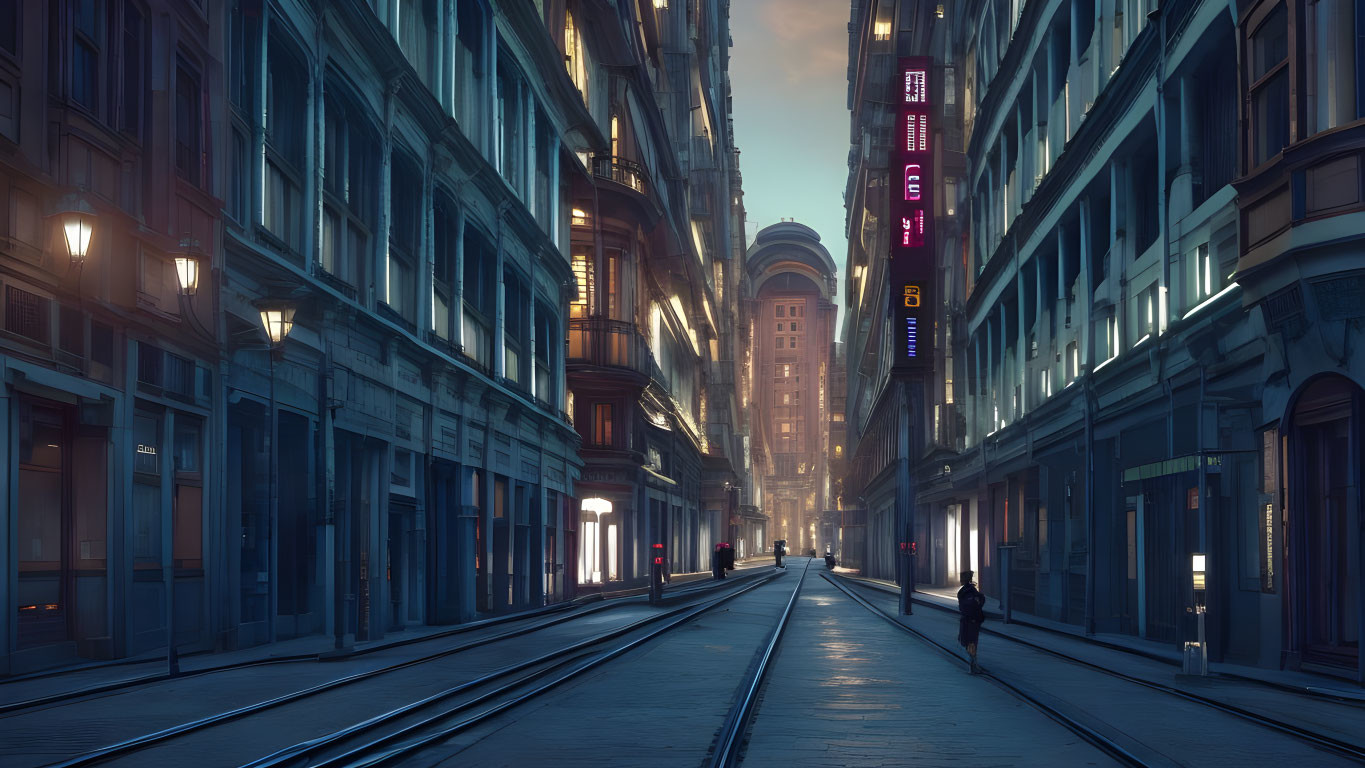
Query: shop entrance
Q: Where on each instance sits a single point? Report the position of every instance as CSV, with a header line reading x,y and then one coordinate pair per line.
x,y
1325,471
60,528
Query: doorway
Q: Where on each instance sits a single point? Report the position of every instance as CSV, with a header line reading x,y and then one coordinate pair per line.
x,y
1325,474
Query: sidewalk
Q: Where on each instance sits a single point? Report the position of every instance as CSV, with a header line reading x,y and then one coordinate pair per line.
x,y
945,598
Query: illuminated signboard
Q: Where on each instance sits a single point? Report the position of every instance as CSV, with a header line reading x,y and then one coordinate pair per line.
x,y
912,253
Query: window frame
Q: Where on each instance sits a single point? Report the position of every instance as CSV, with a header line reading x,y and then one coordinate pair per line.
x,y
1255,23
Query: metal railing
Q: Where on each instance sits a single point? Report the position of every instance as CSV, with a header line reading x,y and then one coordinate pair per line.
x,y
622,171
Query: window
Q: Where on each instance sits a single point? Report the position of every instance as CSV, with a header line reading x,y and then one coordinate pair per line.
x,y
793,327
780,327
575,56
130,111
1202,275
1269,91
417,21
405,230
285,140
470,97
480,304
9,27
28,314
86,39
786,398
781,311
602,424
189,132
582,303
779,342
881,30
444,235
795,311
1331,63
349,180
515,331
791,342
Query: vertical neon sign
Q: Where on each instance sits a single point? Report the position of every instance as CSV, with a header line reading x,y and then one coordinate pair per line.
x,y
912,248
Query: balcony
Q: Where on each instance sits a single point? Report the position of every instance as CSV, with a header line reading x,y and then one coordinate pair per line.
x,y
611,344
620,170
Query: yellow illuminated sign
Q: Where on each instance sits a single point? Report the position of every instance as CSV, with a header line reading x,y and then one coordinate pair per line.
x,y
912,296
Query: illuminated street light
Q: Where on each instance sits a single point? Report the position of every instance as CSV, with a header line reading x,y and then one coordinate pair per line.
x,y
278,321
187,267
78,222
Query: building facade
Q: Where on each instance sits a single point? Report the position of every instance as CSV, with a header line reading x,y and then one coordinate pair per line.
x,y
653,353
1150,304
1300,265
389,183
791,324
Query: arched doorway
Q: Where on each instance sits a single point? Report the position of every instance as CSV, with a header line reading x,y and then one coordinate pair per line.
x,y
1324,487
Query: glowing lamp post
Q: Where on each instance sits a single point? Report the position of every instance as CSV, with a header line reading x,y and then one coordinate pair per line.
x,y
77,219
278,321
187,267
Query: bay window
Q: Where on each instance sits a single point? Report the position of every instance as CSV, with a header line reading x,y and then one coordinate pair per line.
x,y
1331,63
1269,86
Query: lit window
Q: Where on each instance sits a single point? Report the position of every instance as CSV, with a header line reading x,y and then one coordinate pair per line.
x,y
786,398
602,424
786,427
882,30
661,4
580,217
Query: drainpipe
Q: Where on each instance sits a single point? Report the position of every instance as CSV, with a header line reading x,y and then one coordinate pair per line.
x,y
1090,398
1163,211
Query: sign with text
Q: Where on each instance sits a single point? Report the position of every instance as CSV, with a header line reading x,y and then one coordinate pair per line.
x,y
912,216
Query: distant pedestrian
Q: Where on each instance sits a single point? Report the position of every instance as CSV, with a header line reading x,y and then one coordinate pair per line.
x,y
971,606
718,561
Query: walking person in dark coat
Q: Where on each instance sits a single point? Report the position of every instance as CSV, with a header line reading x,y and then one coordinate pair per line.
x,y
971,606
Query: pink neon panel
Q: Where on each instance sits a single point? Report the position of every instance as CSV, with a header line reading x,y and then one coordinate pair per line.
x,y
912,229
916,133
916,86
912,182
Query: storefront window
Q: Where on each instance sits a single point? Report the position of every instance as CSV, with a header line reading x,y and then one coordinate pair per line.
x,y
146,492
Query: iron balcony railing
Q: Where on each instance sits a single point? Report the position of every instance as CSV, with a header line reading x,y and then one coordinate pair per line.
x,y
612,343
622,171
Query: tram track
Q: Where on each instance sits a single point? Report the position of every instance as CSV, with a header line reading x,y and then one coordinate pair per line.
x,y
403,741
1105,744
163,736
584,608
1304,735
726,750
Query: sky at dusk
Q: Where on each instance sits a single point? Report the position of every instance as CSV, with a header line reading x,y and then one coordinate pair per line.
x,y
788,69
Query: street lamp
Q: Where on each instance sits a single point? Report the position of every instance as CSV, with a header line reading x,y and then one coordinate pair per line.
x,y
278,321
77,218
187,267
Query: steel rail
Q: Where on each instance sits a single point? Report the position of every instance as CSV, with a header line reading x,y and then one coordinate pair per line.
x,y
1093,737
146,740
731,736
614,600
363,756
1327,743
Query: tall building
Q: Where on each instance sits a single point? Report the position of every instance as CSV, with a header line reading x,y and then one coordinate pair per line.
x,y
284,309
1298,265
1146,331
791,325
653,352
